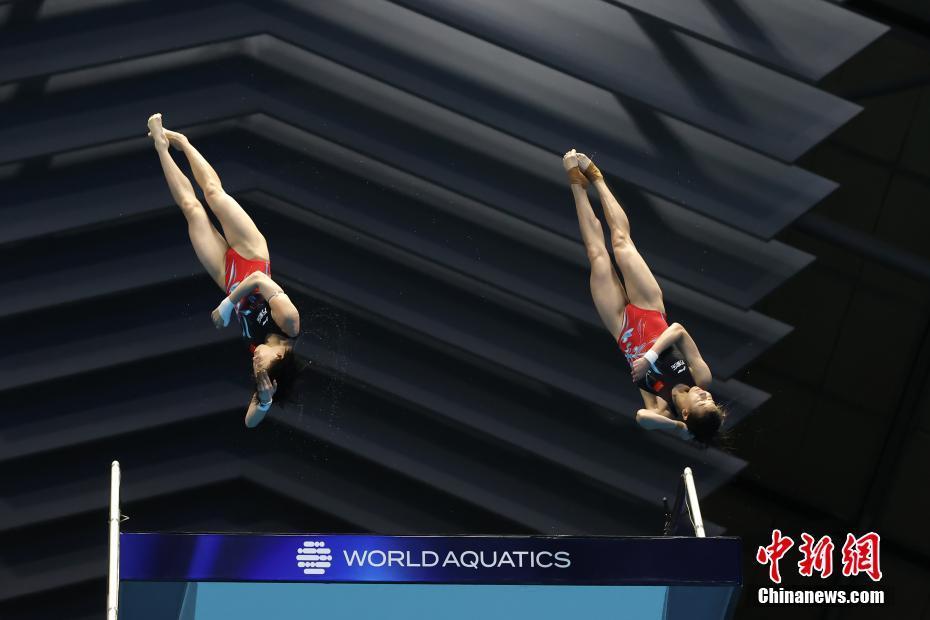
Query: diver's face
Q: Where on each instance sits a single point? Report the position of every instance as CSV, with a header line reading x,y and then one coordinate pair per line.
x,y
264,357
698,400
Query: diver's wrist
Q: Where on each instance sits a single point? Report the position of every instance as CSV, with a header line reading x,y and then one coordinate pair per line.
x,y
225,309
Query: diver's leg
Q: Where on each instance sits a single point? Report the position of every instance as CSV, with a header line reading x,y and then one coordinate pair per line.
x,y
606,289
240,231
642,289
208,243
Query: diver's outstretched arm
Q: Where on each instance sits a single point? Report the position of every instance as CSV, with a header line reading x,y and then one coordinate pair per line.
x,y
655,421
655,416
254,414
261,399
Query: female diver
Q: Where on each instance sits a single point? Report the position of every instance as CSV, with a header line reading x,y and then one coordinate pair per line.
x,y
665,363
238,262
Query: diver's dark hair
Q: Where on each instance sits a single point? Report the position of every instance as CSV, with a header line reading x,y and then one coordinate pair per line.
x,y
323,339
705,426
285,372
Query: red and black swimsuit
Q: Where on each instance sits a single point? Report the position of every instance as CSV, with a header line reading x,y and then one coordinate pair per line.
x,y
252,311
641,328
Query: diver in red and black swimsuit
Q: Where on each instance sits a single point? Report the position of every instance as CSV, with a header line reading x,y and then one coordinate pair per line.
x,y
664,361
253,311
237,260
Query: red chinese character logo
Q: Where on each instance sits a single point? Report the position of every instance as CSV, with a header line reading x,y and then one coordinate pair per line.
x,y
773,553
817,556
860,555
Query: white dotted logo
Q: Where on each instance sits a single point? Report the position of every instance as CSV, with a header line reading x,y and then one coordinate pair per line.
x,y
314,558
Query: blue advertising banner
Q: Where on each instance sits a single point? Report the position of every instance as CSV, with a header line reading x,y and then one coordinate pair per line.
x,y
430,559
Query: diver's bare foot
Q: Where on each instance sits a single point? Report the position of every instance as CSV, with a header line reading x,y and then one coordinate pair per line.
x,y
587,166
157,132
570,163
583,160
570,160
176,139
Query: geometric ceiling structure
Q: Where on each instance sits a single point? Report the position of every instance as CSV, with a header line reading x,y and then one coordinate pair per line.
x,y
403,160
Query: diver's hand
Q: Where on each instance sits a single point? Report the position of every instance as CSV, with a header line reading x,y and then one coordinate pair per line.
x,y
266,387
640,366
222,313
218,321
